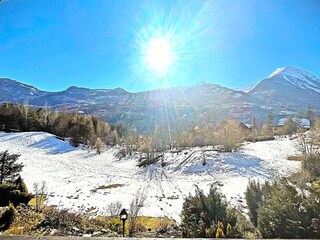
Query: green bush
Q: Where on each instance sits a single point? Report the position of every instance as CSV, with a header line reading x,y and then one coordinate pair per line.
x,y
253,198
5,190
22,187
201,213
10,193
17,197
312,165
114,224
284,213
7,217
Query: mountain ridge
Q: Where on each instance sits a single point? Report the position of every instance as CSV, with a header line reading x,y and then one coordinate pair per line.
x,y
278,72
286,89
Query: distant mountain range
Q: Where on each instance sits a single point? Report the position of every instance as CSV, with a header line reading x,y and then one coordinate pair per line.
x,y
286,90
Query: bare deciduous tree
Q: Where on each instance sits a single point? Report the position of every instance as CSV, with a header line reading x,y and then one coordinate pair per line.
x,y
135,207
229,134
307,143
113,209
40,192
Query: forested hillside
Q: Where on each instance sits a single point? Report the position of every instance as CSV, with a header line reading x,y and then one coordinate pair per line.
x,y
80,128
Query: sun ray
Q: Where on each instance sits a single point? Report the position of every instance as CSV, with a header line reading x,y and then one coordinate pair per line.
x,y
168,43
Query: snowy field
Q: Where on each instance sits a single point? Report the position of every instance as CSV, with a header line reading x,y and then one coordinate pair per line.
x,y
73,175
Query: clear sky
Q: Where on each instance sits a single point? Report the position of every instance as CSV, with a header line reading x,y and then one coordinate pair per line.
x,y
103,44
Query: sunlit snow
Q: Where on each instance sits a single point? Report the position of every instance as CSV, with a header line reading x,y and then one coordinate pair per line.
x,y
73,174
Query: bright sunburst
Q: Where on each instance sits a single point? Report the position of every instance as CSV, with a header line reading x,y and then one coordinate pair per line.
x,y
169,42
159,55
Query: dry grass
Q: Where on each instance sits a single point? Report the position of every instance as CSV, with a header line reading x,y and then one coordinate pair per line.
x,y
27,223
104,187
296,157
173,197
299,178
153,222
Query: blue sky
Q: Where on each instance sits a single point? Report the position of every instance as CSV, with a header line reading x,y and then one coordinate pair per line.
x,y
97,44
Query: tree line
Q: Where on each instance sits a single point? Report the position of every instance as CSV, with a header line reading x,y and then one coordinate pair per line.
x,y
80,128
89,130
227,136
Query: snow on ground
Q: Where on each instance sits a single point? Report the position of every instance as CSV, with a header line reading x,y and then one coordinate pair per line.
x,y
73,174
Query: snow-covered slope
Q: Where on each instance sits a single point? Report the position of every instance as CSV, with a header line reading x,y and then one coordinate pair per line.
x,y
245,88
73,174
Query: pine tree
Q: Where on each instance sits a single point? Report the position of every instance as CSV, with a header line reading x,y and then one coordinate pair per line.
x,y
312,165
279,213
99,145
253,198
60,123
201,211
270,119
22,187
24,111
254,127
9,168
310,114
290,126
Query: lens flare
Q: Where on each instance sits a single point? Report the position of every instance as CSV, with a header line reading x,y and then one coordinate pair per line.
x,y
159,55
170,39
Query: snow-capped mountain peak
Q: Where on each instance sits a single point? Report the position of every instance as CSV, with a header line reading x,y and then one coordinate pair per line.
x,y
293,72
298,77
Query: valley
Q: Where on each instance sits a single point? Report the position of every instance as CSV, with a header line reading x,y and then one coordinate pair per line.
x,y
160,119
80,180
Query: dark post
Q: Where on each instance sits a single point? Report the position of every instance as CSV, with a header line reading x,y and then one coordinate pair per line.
x,y
123,226
123,217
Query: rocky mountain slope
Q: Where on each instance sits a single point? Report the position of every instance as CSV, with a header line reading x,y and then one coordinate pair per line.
x,y
287,89
16,92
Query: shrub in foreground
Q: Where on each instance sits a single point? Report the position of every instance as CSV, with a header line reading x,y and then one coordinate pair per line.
x,y
7,217
209,216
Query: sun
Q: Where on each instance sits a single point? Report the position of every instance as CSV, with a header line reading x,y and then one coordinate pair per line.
x,y
159,55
